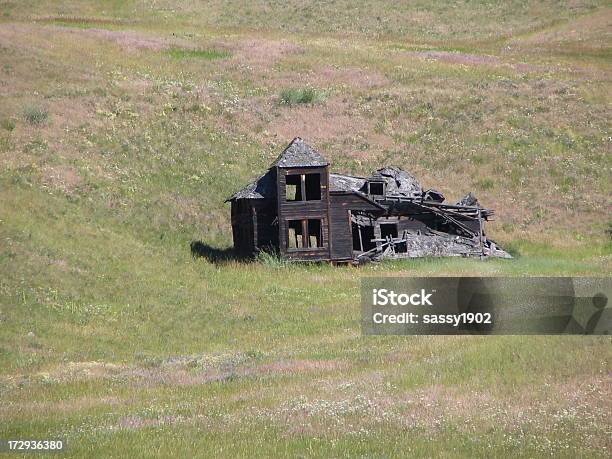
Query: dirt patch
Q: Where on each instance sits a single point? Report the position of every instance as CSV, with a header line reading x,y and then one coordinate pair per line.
x,y
334,122
316,123
65,113
339,123
28,37
187,209
64,178
319,123
261,52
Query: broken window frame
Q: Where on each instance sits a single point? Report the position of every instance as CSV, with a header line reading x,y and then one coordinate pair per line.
x,y
307,187
292,191
382,183
390,230
303,239
362,234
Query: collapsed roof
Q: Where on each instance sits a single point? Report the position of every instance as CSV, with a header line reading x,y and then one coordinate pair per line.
x,y
468,200
398,182
341,182
424,224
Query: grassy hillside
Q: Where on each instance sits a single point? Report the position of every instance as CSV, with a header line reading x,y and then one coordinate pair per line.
x,y
125,125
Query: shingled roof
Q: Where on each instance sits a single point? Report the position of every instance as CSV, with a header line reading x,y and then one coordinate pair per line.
x,y
399,182
341,182
299,154
261,188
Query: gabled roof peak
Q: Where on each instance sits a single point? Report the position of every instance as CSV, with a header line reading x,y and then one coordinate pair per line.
x,y
299,154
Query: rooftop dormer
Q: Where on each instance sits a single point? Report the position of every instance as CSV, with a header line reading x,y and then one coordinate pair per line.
x,y
301,173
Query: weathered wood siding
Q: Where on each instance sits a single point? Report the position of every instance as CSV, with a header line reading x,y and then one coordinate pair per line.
x,y
298,210
252,225
242,227
340,222
266,229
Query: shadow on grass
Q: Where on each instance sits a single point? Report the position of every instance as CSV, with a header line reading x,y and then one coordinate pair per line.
x,y
200,249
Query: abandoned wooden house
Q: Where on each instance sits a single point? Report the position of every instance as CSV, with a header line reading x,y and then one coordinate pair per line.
x,y
300,209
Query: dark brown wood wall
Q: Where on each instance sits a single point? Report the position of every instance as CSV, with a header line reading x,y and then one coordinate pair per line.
x,y
242,227
298,210
266,229
340,222
253,225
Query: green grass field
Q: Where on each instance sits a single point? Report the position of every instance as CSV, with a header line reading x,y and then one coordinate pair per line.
x,y
125,125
